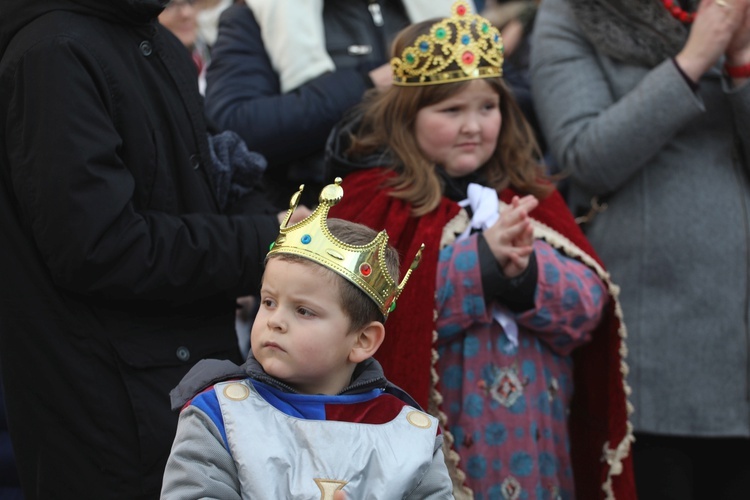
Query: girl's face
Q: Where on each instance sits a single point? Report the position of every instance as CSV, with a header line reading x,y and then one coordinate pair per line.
x,y
460,132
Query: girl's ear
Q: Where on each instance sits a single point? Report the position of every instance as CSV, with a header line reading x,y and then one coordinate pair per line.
x,y
368,341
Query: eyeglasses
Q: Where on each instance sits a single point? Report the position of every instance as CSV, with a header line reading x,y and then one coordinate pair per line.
x,y
178,4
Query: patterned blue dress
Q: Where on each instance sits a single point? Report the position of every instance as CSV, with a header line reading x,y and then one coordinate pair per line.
x,y
506,402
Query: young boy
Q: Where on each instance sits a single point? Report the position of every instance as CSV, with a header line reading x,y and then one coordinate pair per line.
x,y
310,413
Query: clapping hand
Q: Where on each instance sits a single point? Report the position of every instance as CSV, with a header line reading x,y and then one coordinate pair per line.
x,y
511,238
721,27
738,50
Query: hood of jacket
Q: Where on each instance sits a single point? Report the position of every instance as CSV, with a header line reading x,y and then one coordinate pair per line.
x,y
338,162
18,13
368,375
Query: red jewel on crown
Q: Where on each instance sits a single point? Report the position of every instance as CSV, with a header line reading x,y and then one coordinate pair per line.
x,y
365,269
461,10
467,57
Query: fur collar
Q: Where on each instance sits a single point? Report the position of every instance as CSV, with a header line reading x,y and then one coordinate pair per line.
x,y
633,31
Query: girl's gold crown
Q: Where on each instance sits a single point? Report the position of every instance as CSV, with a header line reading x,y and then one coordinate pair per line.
x,y
363,265
467,40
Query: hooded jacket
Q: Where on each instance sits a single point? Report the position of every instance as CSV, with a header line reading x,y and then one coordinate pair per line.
x,y
118,271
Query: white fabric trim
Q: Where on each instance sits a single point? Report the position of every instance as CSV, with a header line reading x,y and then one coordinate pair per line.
x,y
294,35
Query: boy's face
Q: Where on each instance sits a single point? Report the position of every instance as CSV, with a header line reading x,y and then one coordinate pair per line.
x,y
301,333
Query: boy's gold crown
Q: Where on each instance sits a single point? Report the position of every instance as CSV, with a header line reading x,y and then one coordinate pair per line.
x,y
468,40
363,265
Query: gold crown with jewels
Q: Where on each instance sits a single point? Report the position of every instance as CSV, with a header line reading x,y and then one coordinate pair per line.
x,y
464,46
363,265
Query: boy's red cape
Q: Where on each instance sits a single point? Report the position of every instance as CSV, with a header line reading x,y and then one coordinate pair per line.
x,y
600,432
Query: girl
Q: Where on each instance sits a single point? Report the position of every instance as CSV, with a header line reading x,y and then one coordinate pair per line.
x,y
446,158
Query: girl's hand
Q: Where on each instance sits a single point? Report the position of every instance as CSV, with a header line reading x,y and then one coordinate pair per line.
x,y
710,36
511,238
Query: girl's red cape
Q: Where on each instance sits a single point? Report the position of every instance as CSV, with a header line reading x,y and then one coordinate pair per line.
x,y
599,411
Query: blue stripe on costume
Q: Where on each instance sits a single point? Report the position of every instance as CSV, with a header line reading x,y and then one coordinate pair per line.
x,y
209,404
308,406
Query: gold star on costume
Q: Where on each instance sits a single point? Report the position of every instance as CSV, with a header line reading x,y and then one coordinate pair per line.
x,y
328,487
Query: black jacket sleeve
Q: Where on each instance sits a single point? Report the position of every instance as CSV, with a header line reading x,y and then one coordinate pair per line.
x,y
243,94
74,193
516,293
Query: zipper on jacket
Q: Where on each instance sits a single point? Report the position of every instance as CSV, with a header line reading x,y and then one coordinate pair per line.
x,y
375,12
375,383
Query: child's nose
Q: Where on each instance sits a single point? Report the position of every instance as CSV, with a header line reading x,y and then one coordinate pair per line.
x,y
276,321
470,124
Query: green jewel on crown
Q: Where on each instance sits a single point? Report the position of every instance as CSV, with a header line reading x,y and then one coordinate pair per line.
x,y
467,40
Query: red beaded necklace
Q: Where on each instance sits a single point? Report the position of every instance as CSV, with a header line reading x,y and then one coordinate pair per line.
x,y
677,12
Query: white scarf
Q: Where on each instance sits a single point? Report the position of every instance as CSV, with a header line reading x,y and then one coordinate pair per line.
x,y
294,37
208,21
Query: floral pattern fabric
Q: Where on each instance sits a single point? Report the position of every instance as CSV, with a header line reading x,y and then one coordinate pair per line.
x,y
507,405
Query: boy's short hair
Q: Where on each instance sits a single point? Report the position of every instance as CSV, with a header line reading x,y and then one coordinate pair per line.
x,y
360,308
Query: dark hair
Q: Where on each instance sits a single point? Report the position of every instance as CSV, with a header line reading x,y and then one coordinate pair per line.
x,y
389,120
360,308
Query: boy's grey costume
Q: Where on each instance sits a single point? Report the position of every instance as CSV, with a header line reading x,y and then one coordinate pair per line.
x,y
263,440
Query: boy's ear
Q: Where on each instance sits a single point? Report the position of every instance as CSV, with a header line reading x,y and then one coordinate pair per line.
x,y
369,338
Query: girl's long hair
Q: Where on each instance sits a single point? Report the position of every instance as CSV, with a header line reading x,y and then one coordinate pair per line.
x,y
388,120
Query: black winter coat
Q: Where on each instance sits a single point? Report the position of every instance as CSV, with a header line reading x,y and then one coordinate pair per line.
x,y
117,271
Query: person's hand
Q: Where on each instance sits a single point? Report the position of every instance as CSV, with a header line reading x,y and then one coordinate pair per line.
x,y
715,26
512,34
511,238
382,76
339,495
738,50
299,213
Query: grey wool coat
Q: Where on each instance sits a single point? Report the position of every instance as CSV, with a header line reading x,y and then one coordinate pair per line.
x,y
672,166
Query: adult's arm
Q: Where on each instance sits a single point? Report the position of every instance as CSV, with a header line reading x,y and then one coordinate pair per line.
x,y
74,194
603,141
243,94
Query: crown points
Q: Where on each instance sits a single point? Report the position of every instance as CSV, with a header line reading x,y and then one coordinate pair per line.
x,y
332,193
363,265
465,40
